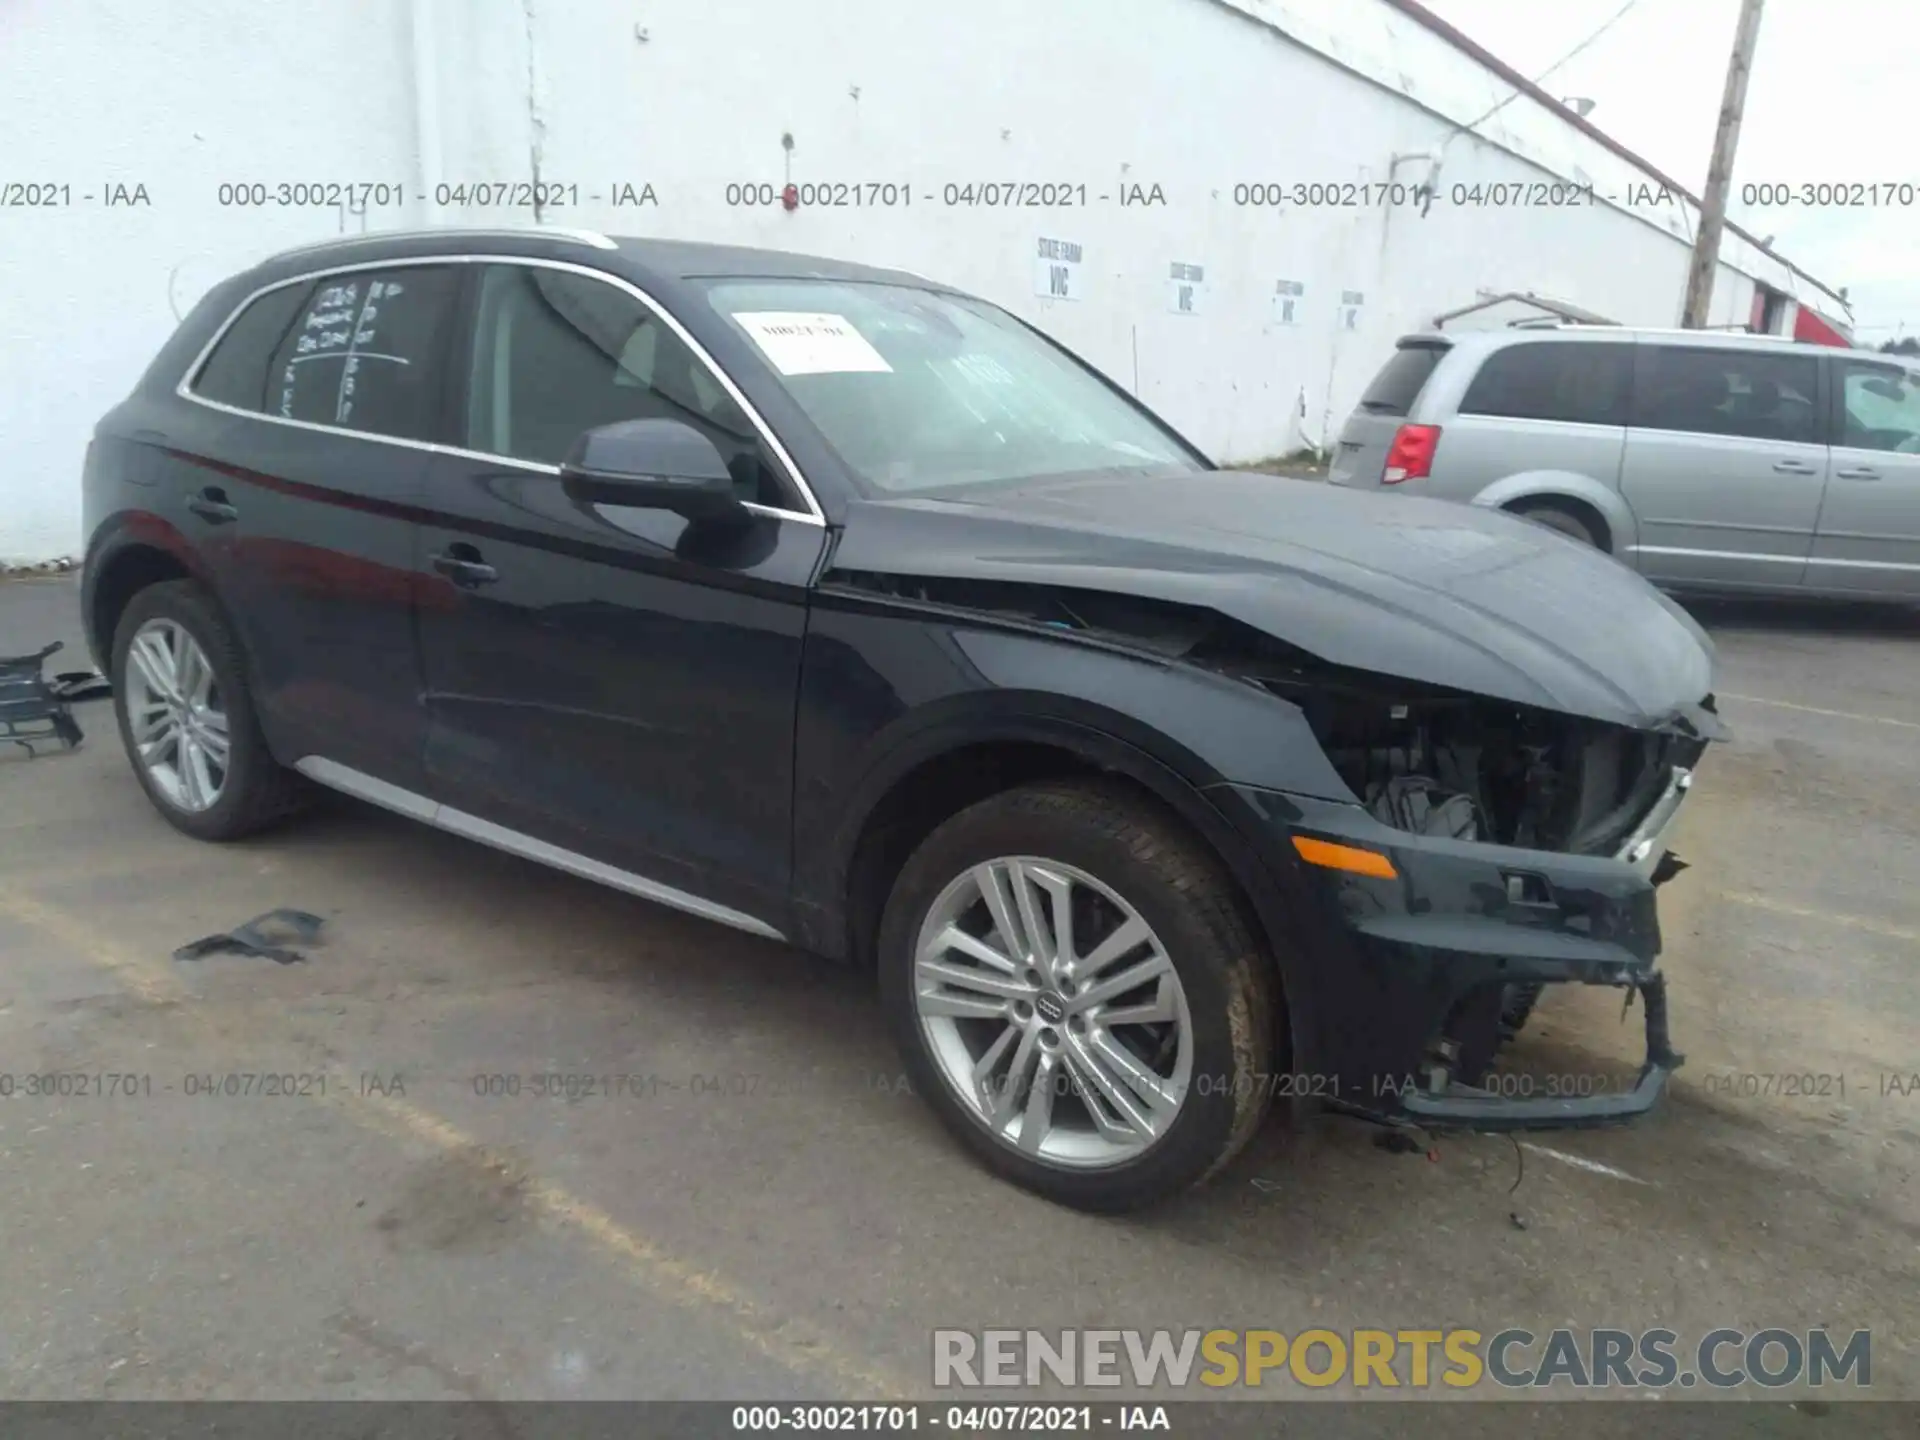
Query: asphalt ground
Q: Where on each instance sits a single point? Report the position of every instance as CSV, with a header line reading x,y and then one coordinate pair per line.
x,y
765,1212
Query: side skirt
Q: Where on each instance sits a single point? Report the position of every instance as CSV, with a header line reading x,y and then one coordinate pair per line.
x,y
375,791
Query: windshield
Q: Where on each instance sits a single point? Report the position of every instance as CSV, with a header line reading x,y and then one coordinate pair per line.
x,y
918,390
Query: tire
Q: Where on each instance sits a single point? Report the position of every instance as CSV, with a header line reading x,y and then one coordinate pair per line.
x,y
1559,517
1136,857
253,791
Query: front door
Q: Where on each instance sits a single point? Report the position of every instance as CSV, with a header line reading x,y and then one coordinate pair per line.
x,y
1868,539
1725,465
615,683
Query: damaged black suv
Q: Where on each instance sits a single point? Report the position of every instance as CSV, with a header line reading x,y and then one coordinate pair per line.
x,y
835,605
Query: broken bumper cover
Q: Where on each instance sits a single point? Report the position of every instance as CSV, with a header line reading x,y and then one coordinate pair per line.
x,y
1405,975
1475,1109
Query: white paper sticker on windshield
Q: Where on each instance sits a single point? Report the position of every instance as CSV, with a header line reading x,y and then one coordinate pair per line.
x,y
802,344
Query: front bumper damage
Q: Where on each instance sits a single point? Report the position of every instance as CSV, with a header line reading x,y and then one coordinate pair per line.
x,y
1411,979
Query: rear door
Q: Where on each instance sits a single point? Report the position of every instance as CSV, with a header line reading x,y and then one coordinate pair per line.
x,y
1360,456
1725,464
1867,541
308,502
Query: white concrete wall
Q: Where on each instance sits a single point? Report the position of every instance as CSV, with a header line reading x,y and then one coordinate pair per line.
x,y
176,98
1194,96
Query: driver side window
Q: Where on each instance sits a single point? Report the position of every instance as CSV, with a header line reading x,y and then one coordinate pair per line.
x,y
1880,408
556,354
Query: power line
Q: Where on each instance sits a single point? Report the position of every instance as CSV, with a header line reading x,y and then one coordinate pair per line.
x,y
1612,20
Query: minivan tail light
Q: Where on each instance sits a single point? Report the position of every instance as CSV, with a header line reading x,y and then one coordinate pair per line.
x,y
1410,456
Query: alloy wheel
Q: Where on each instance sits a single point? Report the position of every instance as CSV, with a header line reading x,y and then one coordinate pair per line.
x,y
175,715
1051,1008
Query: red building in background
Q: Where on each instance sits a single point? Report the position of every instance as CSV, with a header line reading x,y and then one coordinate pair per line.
x,y
1777,314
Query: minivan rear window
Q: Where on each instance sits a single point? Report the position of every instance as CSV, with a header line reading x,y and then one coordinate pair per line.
x,y
1400,380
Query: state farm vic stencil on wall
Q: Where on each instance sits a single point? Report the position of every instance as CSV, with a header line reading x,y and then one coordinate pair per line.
x,y
1185,285
1056,270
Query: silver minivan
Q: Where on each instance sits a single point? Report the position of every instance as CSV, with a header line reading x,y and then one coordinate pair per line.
x,y
1705,460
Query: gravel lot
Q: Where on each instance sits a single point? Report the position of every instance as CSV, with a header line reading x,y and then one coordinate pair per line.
x,y
773,1216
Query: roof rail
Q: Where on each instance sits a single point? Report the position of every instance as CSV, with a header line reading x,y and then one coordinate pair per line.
x,y
1740,332
558,232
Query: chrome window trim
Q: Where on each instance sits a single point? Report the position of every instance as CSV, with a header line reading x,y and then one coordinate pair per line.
x,y
455,234
813,515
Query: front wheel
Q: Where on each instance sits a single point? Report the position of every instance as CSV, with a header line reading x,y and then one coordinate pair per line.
x,y
1075,990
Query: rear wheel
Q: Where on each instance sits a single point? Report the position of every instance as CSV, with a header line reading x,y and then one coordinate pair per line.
x,y
1562,518
186,717
1075,991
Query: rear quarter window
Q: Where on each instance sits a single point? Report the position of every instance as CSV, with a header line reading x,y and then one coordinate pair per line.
x,y
1575,382
1401,379
236,372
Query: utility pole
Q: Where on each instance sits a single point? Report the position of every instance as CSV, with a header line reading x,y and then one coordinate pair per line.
x,y
1713,210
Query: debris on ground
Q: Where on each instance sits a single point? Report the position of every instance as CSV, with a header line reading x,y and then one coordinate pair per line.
x,y
73,686
61,565
1397,1142
265,936
31,708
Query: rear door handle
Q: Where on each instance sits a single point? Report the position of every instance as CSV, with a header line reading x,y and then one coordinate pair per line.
x,y
1859,472
212,506
463,566
1793,467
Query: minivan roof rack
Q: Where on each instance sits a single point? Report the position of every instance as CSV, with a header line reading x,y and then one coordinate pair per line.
x,y
1555,322
1742,332
558,232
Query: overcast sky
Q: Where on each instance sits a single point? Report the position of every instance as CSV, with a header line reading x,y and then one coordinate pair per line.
x,y
1832,97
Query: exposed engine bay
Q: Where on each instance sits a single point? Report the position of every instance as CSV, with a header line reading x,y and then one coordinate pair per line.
x,y
1473,769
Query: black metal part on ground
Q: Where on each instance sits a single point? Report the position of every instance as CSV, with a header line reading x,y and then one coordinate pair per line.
x,y
30,708
265,936
73,686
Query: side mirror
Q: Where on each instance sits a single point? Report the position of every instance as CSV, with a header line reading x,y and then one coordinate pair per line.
x,y
653,465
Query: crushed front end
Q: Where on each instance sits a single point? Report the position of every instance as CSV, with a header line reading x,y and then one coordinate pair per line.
x,y
1489,850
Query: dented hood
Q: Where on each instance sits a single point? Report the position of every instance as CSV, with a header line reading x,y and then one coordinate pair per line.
x,y
1449,594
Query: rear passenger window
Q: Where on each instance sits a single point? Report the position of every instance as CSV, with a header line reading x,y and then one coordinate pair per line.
x,y
1399,382
236,372
1726,392
364,353
1578,382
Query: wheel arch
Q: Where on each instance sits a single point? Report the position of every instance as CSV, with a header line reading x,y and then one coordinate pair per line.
x,y
946,767
123,560
1601,505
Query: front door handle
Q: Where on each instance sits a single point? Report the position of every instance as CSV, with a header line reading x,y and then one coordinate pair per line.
x,y
463,566
212,506
1793,467
1859,472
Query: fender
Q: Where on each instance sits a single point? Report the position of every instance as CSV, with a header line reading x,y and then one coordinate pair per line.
x,y
1550,484
1010,687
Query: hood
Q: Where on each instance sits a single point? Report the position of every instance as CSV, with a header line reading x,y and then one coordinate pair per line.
x,y
1426,590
